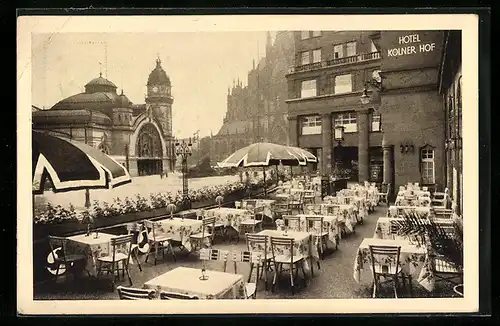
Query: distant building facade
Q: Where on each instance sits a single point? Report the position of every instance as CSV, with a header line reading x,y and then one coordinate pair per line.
x,y
256,112
139,136
398,135
451,90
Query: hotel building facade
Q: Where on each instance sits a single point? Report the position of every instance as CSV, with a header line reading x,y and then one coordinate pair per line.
x,y
394,137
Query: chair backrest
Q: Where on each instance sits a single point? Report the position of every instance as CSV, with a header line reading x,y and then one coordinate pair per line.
x,y
309,193
394,228
134,228
200,213
126,293
313,209
177,296
332,209
314,224
237,204
214,254
123,242
55,243
208,222
152,226
386,257
282,246
281,207
250,202
245,257
258,243
443,213
292,222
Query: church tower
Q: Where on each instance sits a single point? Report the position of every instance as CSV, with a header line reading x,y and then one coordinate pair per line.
x,y
159,105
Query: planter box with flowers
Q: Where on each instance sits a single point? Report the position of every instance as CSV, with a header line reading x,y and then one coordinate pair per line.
x,y
56,220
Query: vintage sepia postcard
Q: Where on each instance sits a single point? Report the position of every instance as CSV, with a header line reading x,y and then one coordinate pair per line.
x,y
257,164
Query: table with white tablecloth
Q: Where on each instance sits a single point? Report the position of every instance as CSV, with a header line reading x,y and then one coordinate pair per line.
x,y
266,203
347,214
394,210
302,244
178,229
93,248
330,225
413,259
184,280
230,217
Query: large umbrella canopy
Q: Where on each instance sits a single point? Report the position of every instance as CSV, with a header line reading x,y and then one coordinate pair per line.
x,y
72,165
308,156
263,154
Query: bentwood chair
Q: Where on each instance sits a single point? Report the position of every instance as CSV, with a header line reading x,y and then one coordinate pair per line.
x,y
64,261
210,254
135,229
283,255
384,196
206,236
315,225
254,259
444,269
158,240
177,296
260,243
254,220
121,248
385,263
309,196
280,209
292,222
296,202
127,293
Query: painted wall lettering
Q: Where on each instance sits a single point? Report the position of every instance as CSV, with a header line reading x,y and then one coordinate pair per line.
x,y
408,49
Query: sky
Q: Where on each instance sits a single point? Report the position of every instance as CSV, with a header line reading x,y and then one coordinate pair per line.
x,y
201,67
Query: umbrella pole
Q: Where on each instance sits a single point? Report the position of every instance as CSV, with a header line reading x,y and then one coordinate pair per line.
x,y
291,172
87,198
277,175
265,192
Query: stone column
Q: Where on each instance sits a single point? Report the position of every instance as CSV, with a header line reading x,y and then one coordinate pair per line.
x,y
293,131
388,152
326,151
363,146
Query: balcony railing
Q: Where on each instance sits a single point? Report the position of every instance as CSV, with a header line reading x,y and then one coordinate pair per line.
x,y
336,62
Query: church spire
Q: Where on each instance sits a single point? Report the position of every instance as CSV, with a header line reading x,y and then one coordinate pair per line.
x,y
269,43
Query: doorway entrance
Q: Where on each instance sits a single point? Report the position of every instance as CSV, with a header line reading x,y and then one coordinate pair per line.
x,y
149,150
346,158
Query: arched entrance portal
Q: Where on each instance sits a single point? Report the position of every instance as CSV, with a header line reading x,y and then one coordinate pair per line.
x,y
149,151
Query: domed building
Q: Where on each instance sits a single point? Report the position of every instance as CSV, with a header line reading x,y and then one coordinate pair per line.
x,y
139,136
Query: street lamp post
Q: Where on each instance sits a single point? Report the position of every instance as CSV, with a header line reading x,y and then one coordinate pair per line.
x,y
184,150
339,138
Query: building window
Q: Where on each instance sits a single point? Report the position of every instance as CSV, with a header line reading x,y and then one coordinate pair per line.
x,y
351,49
376,122
311,125
427,167
305,58
304,35
317,55
338,51
348,120
316,33
308,88
343,84
373,47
